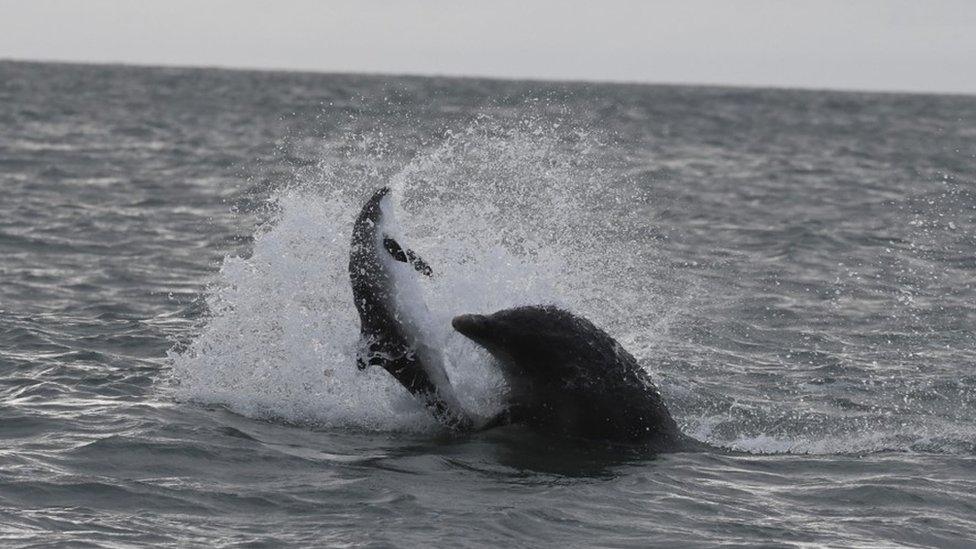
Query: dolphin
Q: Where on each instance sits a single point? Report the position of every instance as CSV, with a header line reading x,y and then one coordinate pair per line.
x,y
568,377
394,323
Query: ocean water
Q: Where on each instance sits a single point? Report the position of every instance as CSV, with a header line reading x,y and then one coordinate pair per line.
x,y
795,269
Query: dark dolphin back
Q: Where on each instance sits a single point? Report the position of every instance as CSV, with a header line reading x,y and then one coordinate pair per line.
x,y
370,282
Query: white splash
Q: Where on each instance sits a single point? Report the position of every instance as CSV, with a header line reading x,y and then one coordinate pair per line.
x,y
504,217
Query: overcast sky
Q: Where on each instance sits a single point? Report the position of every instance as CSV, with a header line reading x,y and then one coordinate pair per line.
x,y
923,45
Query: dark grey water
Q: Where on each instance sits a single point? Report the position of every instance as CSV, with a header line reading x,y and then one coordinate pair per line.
x,y
794,269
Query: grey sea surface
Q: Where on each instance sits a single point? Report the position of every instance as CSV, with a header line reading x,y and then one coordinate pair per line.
x,y
795,269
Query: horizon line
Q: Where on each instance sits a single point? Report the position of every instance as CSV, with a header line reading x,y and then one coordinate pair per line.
x,y
501,78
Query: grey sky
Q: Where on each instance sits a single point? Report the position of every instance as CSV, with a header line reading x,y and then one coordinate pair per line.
x,y
925,45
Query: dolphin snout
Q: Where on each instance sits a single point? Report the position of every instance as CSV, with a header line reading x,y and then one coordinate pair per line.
x,y
470,325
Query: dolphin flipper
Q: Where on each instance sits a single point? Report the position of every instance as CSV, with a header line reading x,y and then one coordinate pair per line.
x,y
407,256
370,353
